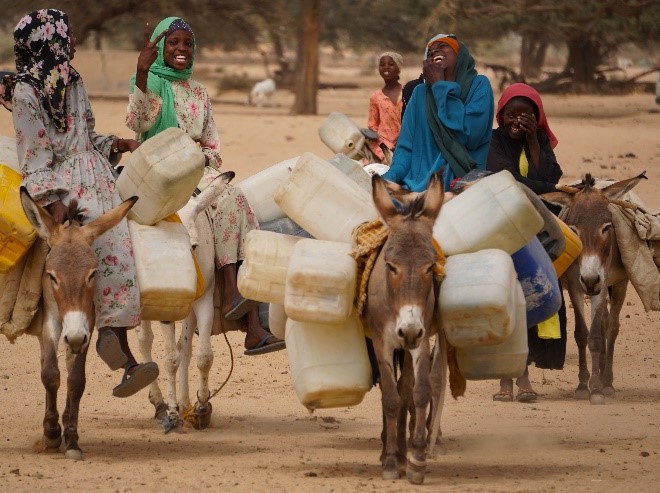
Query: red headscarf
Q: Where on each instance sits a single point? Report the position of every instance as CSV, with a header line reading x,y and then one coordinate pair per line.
x,y
520,89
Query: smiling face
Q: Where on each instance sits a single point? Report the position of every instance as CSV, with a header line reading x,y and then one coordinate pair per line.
x,y
511,114
442,53
388,69
178,49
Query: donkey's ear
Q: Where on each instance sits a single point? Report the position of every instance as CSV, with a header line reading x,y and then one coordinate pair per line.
x,y
617,190
103,223
562,199
212,191
39,217
382,199
433,197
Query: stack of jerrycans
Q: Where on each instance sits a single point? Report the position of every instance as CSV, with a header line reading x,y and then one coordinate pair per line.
x,y
163,172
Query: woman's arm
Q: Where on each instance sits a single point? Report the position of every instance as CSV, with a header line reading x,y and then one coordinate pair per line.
x,y
36,155
373,119
210,138
143,110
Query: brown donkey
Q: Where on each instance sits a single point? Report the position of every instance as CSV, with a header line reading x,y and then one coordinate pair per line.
x,y
68,310
597,273
400,312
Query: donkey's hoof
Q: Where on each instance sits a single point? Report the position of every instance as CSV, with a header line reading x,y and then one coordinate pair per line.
x,y
203,415
608,391
389,474
161,411
52,443
415,477
597,399
73,454
581,393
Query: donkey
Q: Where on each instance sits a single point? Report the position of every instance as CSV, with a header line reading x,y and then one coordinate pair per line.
x,y
598,273
400,312
178,355
68,310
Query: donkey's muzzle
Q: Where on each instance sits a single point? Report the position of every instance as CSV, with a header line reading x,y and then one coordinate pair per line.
x,y
410,327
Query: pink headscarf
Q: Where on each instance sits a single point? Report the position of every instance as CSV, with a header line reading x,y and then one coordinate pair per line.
x,y
520,89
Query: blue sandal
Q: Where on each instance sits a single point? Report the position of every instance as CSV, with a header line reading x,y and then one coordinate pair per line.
x,y
144,374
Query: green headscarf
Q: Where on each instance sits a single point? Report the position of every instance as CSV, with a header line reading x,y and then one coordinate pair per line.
x,y
160,76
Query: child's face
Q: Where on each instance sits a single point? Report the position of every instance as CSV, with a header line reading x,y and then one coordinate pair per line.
x,y
388,69
513,112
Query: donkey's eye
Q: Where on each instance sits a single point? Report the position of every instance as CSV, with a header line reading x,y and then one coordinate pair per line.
x,y
52,278
90,276
430,268
575,230
606,228
391,268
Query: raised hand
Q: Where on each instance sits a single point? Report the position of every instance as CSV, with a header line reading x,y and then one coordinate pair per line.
x,y
147,57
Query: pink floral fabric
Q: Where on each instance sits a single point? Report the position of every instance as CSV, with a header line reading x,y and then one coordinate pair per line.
x,y
75,164
232,216
384,118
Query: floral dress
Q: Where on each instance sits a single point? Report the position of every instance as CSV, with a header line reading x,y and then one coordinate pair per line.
x,y
75,165
385,119
231,214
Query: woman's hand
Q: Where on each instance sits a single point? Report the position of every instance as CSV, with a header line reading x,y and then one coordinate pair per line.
x,y
147,57
59,211
528,125
433,70
128,145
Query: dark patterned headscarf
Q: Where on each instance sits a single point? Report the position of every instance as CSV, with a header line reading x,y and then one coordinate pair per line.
x,y
42,47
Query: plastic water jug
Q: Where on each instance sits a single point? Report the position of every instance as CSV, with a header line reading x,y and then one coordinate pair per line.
x,y
16,233
571,252
163,172
492,213
329,363
324,201
320,282
505,360
277,320
262,275
285,226
341,134
539,282
353,170
260,189
165,270
477,299
8,153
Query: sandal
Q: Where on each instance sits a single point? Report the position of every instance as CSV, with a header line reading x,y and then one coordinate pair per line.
x,y
109,349
240,308
131,383
526,395
503,396
264,346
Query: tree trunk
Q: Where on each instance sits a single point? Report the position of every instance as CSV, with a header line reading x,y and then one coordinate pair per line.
x,y
307,63
582,62
532,55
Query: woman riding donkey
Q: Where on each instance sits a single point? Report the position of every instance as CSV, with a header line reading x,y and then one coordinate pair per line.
x,y
62,159
163,95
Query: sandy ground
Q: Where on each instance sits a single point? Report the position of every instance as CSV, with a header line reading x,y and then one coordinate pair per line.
x,y
262,439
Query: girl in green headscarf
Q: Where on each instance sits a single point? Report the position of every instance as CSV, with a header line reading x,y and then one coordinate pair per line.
x,y
164,95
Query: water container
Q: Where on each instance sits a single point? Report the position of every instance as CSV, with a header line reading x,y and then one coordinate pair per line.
x,y
320,282
16,233
8,153
505,360
165,270
329,363
277,320
492,213
262,274
477,299
341,134
260,189
324,201
284,226
571,252
539,282
163,172
353,170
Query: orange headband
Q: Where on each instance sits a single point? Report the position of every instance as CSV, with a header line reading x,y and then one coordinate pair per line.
x,y
448,40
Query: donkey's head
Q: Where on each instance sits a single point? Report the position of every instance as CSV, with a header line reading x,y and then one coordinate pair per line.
x,y
589,217
409,259
71,265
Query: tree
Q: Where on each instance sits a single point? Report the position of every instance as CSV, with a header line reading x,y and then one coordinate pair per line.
x,y
307,62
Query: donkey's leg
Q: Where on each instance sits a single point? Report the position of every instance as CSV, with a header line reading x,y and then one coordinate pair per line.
x,y
617,297
50,378
390,403
406,406
145,337
438,380
205,314
598,319
416,467
172,358
76,381
184,349
581,337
